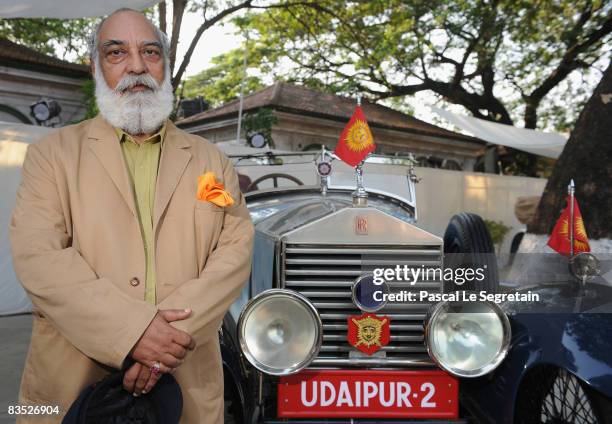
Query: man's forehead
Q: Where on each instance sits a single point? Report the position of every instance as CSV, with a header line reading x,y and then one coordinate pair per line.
x,y
127,28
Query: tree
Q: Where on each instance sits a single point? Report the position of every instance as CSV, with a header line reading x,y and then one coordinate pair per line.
x,y
493,57
221,82
44,35
71,35
586,159
212,12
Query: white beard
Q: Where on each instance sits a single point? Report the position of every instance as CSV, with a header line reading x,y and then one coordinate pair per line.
x,y
142,112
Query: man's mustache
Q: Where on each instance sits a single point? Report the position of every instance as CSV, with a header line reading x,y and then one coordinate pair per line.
x,y
130,81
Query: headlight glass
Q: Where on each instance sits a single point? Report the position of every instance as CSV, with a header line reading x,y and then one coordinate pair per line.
x,y
280,332
468,339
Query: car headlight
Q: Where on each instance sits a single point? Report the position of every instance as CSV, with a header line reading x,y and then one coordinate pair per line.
x,y
467,339
280,332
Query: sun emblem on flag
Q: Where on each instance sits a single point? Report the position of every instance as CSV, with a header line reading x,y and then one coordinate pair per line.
x,y
579,232
368,332
359,136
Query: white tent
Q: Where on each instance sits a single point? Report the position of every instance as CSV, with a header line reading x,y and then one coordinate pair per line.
x,y
67,9
540,143
14,141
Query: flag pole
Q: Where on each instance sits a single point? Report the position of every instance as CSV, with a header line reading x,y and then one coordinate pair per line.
x,y
360,195
571,191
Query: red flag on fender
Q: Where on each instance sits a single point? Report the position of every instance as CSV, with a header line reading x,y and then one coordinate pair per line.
x,y
560,237
356,140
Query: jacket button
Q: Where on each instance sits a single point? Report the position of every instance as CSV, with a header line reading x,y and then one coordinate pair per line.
x,y
134,281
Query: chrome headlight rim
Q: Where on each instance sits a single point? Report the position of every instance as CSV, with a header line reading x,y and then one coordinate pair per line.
x,y
441,307
312,354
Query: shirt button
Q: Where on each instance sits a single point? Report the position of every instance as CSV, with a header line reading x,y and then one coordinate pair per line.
x,y
134,281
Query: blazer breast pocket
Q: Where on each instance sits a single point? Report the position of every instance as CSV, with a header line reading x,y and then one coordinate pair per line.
x,y
208,226
205,205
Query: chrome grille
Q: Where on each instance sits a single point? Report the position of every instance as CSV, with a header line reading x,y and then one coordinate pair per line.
x,y
325,275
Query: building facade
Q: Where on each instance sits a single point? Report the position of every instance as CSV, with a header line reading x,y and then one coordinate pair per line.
x,y
305,119
27,76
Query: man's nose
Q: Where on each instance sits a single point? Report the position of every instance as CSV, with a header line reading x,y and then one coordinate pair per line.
x,y
136,64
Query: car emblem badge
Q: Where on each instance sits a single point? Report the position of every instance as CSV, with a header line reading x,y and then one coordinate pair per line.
x,y
361,225
368,332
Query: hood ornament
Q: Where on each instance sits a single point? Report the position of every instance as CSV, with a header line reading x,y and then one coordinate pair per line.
x,y
324,170
360,195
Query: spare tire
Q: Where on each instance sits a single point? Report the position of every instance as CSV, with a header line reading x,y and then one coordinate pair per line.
x,y
468,245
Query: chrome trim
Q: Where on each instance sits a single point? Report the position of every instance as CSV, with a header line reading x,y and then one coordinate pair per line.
x,y
373,362
318,328
497,360
250,196
332,294
372,251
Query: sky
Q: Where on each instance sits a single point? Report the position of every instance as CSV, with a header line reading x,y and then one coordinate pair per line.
x,y
215,41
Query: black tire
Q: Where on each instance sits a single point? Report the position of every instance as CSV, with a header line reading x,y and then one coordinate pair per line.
x,y
468,245
549,395
232,407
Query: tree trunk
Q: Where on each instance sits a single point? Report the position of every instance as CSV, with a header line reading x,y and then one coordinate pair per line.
x,y
161,8
587,158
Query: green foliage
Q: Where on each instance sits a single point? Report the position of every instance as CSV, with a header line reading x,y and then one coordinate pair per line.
x,y
45,35
260,122
221,82
498,231
89,91
491,57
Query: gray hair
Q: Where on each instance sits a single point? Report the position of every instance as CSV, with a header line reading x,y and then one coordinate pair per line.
x,y
94,37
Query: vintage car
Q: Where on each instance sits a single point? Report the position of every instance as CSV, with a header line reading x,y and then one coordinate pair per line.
x,y
308,341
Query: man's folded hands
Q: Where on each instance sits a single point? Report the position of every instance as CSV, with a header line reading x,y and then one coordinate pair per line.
x,y
162,346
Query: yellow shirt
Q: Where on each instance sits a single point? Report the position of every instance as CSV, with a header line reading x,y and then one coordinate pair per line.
x,y
142,161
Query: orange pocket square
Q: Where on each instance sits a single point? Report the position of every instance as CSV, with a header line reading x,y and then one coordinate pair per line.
x,y
213,191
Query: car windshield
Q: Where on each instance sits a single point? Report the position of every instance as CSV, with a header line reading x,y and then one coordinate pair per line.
x,y
584,284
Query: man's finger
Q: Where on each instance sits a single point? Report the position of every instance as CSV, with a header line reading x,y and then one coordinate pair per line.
x,y
178,351
169,361
165,364
141,381
171,315
151,383
130,376
182,338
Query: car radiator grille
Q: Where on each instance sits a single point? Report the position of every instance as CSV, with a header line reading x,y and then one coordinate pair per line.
x,y
325,275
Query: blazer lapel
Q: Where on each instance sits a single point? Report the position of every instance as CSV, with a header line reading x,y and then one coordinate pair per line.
x,y
174,159
104,144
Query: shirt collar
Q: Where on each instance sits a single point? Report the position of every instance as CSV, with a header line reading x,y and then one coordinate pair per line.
x,y
157,137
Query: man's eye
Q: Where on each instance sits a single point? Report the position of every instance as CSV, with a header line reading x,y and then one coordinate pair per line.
x,y
151,52
115,52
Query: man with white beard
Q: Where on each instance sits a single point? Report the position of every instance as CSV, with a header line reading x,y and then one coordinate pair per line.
x,y
131,238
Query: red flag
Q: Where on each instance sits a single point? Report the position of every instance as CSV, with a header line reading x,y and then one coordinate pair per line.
x,y
560,238
356,140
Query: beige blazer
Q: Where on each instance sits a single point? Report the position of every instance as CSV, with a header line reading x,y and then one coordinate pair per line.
x,y
78,251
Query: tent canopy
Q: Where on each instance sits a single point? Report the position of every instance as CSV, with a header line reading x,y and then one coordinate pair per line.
x,y
67,9
539,143
14,141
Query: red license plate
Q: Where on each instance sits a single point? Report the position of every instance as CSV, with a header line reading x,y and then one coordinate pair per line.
x,y
368,394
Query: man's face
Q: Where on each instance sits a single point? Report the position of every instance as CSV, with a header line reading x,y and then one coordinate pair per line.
x,y
133,89
128,46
